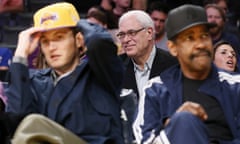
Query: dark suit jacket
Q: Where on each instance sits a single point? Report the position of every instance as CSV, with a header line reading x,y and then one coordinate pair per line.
x,y
162,61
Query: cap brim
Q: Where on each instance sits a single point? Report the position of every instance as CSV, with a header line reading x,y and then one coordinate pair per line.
x,y
55,28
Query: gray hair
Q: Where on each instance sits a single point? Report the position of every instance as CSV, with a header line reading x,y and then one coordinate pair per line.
x,y
141,16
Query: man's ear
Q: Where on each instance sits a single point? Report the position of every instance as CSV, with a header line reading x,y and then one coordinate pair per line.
x,y
79,40
80,44
150,32
172,48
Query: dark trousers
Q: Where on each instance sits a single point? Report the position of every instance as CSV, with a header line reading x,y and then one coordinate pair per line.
x,y
185,128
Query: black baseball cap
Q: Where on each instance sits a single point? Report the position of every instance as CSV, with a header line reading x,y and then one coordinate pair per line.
x,y
184,17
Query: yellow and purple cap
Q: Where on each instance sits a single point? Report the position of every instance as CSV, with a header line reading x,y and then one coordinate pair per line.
x,y
54,16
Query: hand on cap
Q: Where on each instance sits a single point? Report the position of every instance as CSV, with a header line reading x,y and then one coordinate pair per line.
x,y
28,41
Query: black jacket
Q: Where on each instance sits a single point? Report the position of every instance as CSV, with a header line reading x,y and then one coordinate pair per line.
x,y
162,61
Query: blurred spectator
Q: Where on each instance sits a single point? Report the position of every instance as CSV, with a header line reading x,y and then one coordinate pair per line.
x,y
11,5
230,22
221,3
216,15
97,15
119,8
107,4
224,56
89,30
158,11
112,14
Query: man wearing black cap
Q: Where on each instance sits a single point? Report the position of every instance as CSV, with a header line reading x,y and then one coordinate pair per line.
x,y
194,102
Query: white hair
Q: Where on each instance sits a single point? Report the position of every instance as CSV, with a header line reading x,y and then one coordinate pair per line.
x,y
141,16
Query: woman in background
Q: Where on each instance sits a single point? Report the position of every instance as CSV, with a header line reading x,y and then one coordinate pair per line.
x,y
224,56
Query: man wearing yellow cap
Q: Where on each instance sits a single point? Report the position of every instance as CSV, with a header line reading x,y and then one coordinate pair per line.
x,y
80,95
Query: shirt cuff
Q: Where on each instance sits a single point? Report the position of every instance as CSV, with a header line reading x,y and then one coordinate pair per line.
x,y
18,59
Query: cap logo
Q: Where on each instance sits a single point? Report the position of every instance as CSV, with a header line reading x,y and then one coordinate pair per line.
x,y
48,18
55,16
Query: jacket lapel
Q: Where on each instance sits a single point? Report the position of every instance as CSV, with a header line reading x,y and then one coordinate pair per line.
x,y
129,77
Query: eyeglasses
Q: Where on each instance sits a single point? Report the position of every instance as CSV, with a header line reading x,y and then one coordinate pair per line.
x,y
130,33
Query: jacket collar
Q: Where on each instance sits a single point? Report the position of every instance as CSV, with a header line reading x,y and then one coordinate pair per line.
x,y
173,76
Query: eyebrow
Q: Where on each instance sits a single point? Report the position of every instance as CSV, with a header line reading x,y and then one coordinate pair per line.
x,y
225,49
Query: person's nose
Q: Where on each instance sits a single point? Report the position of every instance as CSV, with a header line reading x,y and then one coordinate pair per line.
x,y
52,45
126,38
158,23
230,54
199,43
211,19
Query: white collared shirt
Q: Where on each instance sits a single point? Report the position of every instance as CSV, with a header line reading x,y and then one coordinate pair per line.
x,y
142,76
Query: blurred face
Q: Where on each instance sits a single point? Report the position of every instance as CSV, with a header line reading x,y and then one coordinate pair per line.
x,y
214,16
193,48
61,49
159,22
136,40
225,57
91,18
222,4
123,3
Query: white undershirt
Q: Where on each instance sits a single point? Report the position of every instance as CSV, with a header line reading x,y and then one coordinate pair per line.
x,y
142,75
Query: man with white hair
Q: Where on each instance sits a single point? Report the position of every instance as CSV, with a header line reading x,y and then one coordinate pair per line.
x,y
142,59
